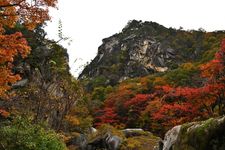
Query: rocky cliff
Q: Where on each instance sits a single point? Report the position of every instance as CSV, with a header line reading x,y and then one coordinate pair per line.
x,y
46,90
143,48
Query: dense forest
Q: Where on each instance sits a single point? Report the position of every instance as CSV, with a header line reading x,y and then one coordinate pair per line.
x,y
149,87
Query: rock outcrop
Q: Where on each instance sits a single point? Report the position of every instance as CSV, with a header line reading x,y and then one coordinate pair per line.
x,y
109,138
143,48
78,141
107,141
138,139
128,55
171,137
204,135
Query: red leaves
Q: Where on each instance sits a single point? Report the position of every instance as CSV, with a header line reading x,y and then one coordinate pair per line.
x,y
138,103
169,106
188,102
139,98
175,109
107,115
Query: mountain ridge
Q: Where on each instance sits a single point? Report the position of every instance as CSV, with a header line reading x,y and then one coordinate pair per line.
x,y
144,48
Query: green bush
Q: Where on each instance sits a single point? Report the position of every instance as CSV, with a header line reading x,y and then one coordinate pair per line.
x,y
183,75
20,134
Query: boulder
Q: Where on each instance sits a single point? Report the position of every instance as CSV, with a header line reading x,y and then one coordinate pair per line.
x,y
109,138
133,132
20,83
92,130
141,140
112,141
79,141
137,138
107,141
171,137
203,135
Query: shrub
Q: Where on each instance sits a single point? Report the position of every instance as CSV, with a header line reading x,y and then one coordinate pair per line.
x,y
21,134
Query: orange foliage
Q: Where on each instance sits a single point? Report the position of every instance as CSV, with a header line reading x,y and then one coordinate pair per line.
x,y
215,69
29,13
118,97
4,113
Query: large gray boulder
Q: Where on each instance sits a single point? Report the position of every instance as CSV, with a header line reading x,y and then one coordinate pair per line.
x,y
203,135
77,142
171,137
107,141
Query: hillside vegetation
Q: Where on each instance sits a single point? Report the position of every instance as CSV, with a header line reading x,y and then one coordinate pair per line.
x,y
125,86
147,76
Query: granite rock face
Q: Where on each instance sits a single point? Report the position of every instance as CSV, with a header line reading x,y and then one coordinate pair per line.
x,y
204,135
143,48
171,137
128,55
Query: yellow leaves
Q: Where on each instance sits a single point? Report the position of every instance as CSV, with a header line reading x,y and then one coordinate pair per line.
x,y
188,66
159,81
72,120
132,143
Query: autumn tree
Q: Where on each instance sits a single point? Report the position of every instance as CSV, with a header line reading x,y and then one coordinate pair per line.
x,y
134,108
106,116
184,104
214,72
113,109
28,13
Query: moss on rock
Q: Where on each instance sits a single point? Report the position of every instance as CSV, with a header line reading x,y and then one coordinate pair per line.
x,y
204,135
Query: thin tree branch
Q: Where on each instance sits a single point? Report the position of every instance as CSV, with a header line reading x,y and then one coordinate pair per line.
x,y
11,5
8,15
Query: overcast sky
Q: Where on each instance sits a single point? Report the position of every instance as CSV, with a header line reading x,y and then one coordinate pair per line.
x,y
87,22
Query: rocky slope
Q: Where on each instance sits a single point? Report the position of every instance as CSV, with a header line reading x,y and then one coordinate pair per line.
x,y
202,135
109,138
143,48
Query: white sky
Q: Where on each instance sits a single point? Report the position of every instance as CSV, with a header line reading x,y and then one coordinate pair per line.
x,y
87,22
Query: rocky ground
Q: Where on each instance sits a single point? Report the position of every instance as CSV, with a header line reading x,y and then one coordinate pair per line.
x,y
204,135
